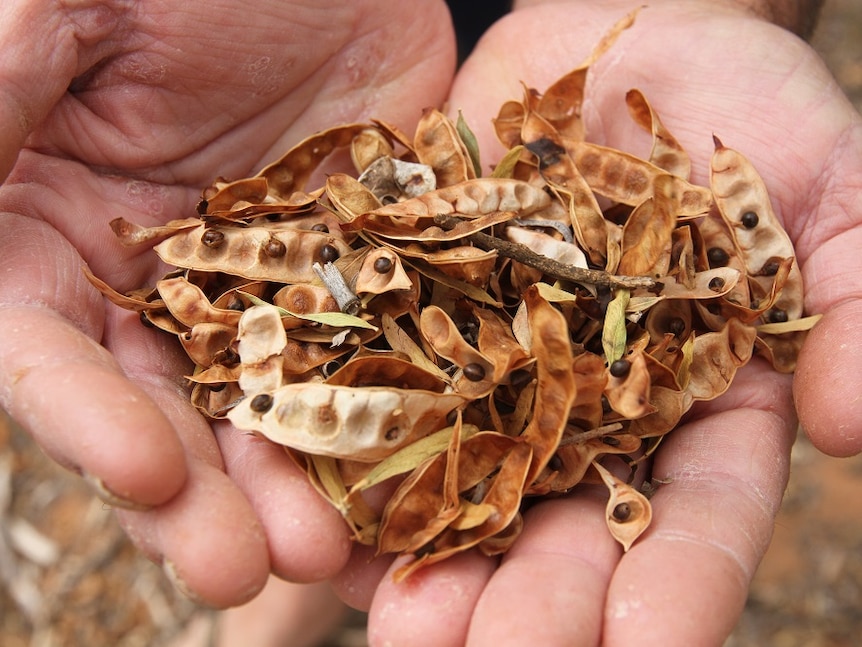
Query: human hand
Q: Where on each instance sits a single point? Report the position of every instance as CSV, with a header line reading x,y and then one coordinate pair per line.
x,y
705,69
128,110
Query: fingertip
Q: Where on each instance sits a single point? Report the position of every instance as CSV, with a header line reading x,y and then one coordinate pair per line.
x,y
309,540
433,606
208,540
828,382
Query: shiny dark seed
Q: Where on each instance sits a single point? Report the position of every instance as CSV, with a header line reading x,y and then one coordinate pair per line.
x,y
274,248
320,227
329,253
474,372
556,463
202,207
676,327
770,268
717,257
620,368
383,265
776,315
261,403
215,388
212,238
392,434
714,309
750,220
330,367
716,284
622,512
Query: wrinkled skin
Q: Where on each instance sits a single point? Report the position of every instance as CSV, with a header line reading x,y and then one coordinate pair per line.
x,y
130,109
765,93
181,97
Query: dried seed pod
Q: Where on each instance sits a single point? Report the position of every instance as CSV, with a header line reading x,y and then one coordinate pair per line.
x,y
364,424
438,145
629,512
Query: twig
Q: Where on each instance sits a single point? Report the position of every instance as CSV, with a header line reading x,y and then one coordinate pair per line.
x,y
546,265
335,283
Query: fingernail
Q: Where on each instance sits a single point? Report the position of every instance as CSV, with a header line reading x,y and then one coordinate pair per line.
x,y
180,585
110,497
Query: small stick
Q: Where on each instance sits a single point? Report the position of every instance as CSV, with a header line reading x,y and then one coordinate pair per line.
x,y
549,266
335,283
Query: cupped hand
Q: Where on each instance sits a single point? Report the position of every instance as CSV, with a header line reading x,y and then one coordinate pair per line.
x,y
706,70
128,109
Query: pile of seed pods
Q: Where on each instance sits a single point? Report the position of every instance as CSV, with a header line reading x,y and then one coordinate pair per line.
x,y
478,340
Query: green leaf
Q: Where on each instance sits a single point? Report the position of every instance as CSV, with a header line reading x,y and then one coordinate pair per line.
x,y
614,331
506,167
334,319
470,143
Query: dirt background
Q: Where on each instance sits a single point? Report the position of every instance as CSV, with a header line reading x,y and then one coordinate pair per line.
x,y
68,576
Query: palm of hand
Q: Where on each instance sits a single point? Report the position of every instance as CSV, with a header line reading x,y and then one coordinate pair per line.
x,y
137,112
686,580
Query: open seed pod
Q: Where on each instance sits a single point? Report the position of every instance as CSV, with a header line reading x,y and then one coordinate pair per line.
x,y
484,339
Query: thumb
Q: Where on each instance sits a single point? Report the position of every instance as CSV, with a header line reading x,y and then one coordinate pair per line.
x,y
46,45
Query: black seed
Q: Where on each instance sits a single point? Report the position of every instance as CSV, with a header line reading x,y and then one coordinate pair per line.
x,y
622,512
202,207
776,315
383,265
388,199
611,440
330,367
556,463
716,284
770,267
392,434
329,253
620,368
320,227
274,248
676,327
474,372
750,220
215,388
261,403
717,257
212,238
714,309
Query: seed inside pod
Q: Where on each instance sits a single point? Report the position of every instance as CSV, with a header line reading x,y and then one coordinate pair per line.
x,y
622,512
620,368
611,440
274,248
212,238
202,207
383,265
750,219
717,257
261,403
676,326
329,253
716,284
320,227
474,372
776,315
770,267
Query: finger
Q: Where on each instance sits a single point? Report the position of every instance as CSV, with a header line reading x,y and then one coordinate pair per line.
x,y
207,539
432,606
550,588
685,582
308,539
828,382
70,394
360,577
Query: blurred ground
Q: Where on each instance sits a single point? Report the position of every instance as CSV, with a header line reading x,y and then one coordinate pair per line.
x,y
69,578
